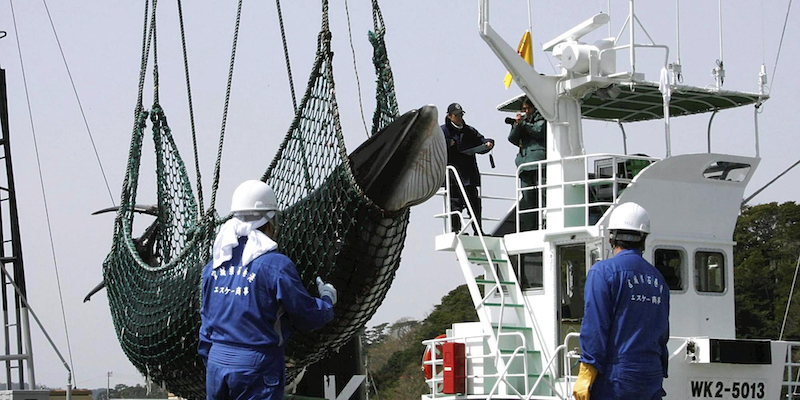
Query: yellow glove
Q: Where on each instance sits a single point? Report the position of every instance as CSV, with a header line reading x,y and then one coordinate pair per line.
x,y
586,376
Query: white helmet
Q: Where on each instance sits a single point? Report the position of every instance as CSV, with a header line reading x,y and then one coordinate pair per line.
x,y
629,217
254,196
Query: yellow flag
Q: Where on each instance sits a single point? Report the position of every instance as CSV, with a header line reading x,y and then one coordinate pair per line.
x,y
525,51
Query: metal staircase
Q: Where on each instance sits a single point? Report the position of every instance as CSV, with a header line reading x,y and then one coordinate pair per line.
x,y
503,311
512,359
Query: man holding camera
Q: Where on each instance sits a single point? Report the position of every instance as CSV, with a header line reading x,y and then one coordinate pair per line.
x,y
528,133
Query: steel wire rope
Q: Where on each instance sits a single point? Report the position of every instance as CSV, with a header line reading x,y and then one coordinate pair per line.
x,y
44,192
154,35
780,44
286,55
769,183
80,104
291,80
191,112
789,301
215,183
355,68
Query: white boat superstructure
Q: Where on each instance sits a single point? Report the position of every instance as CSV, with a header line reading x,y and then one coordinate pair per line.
x,y
527,286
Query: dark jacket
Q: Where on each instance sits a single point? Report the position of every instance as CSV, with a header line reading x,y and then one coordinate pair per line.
x,y
529,135
458,141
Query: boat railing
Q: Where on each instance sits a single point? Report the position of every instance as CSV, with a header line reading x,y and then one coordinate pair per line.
x,y
437,367
791,372
575,190
453,182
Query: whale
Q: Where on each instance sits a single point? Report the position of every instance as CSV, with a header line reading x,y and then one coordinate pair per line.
x,y
401,166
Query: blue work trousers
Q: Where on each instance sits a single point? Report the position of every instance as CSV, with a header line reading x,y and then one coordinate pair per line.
x,y
628,383
239,373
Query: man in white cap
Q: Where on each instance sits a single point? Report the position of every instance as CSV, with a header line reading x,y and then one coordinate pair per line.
x,y
252,297
625,326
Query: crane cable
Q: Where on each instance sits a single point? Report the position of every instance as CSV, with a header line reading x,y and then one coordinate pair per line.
x,y
191,112
780,44
774,69
789,301
41,180
80,104
286,55
215,183
355,68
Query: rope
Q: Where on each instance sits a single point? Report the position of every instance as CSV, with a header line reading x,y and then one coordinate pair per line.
x,y
80,104
769,183
780,44
153,33
143,63
286,55
355,68
215,184
44,193
789,301
191,111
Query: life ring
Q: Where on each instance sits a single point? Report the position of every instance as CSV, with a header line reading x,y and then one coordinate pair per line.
x,y
428,368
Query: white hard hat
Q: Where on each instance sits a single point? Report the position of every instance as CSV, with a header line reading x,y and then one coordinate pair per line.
x,y
253,196
629,217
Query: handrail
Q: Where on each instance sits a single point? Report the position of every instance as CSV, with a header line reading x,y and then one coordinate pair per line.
x,y
614,180
445,193
479,234
501,376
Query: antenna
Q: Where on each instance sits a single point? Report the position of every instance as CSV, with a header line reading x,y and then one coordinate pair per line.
x,y
676,68
719,71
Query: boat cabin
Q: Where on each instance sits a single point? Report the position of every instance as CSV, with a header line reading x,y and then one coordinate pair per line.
x,y
530,296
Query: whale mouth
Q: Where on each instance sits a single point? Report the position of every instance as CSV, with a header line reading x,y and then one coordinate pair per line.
x,y
404,164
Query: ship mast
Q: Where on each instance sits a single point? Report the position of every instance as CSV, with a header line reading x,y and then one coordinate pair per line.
x,y
17,351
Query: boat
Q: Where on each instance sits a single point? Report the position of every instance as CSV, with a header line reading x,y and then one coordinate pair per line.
x,y
528,288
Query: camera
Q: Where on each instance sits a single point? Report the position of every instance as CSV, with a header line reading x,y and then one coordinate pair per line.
x,y
511,121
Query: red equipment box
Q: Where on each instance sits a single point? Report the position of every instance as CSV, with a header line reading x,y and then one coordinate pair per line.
x,y
454,359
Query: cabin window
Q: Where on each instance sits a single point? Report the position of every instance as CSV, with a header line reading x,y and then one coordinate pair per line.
x,y
709,272
670,263
727,171
531,271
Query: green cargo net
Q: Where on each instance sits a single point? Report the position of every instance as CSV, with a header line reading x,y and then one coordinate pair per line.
x,y
329,228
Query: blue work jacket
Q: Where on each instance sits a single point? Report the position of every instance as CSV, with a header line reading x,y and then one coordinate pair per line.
x,y
625,327
255,306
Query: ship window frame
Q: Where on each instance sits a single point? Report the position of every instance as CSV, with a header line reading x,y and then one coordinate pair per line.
x,y
522,277
727,171
696,276
683,270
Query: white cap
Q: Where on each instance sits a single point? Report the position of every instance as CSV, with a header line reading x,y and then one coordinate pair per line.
x,y
629,217
254,196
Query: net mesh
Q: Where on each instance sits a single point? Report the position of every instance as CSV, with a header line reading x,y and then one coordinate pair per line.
x,y
329,228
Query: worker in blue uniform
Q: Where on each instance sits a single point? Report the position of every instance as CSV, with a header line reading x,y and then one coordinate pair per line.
x,y
625,327
252,297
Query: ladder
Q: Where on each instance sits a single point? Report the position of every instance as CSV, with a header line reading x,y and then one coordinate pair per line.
x,y
512,336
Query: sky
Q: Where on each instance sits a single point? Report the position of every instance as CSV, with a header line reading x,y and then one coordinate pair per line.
x,y
437,58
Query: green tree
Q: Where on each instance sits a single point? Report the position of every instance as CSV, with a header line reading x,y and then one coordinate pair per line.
x,y
400,377
375,335
122,391
765,257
